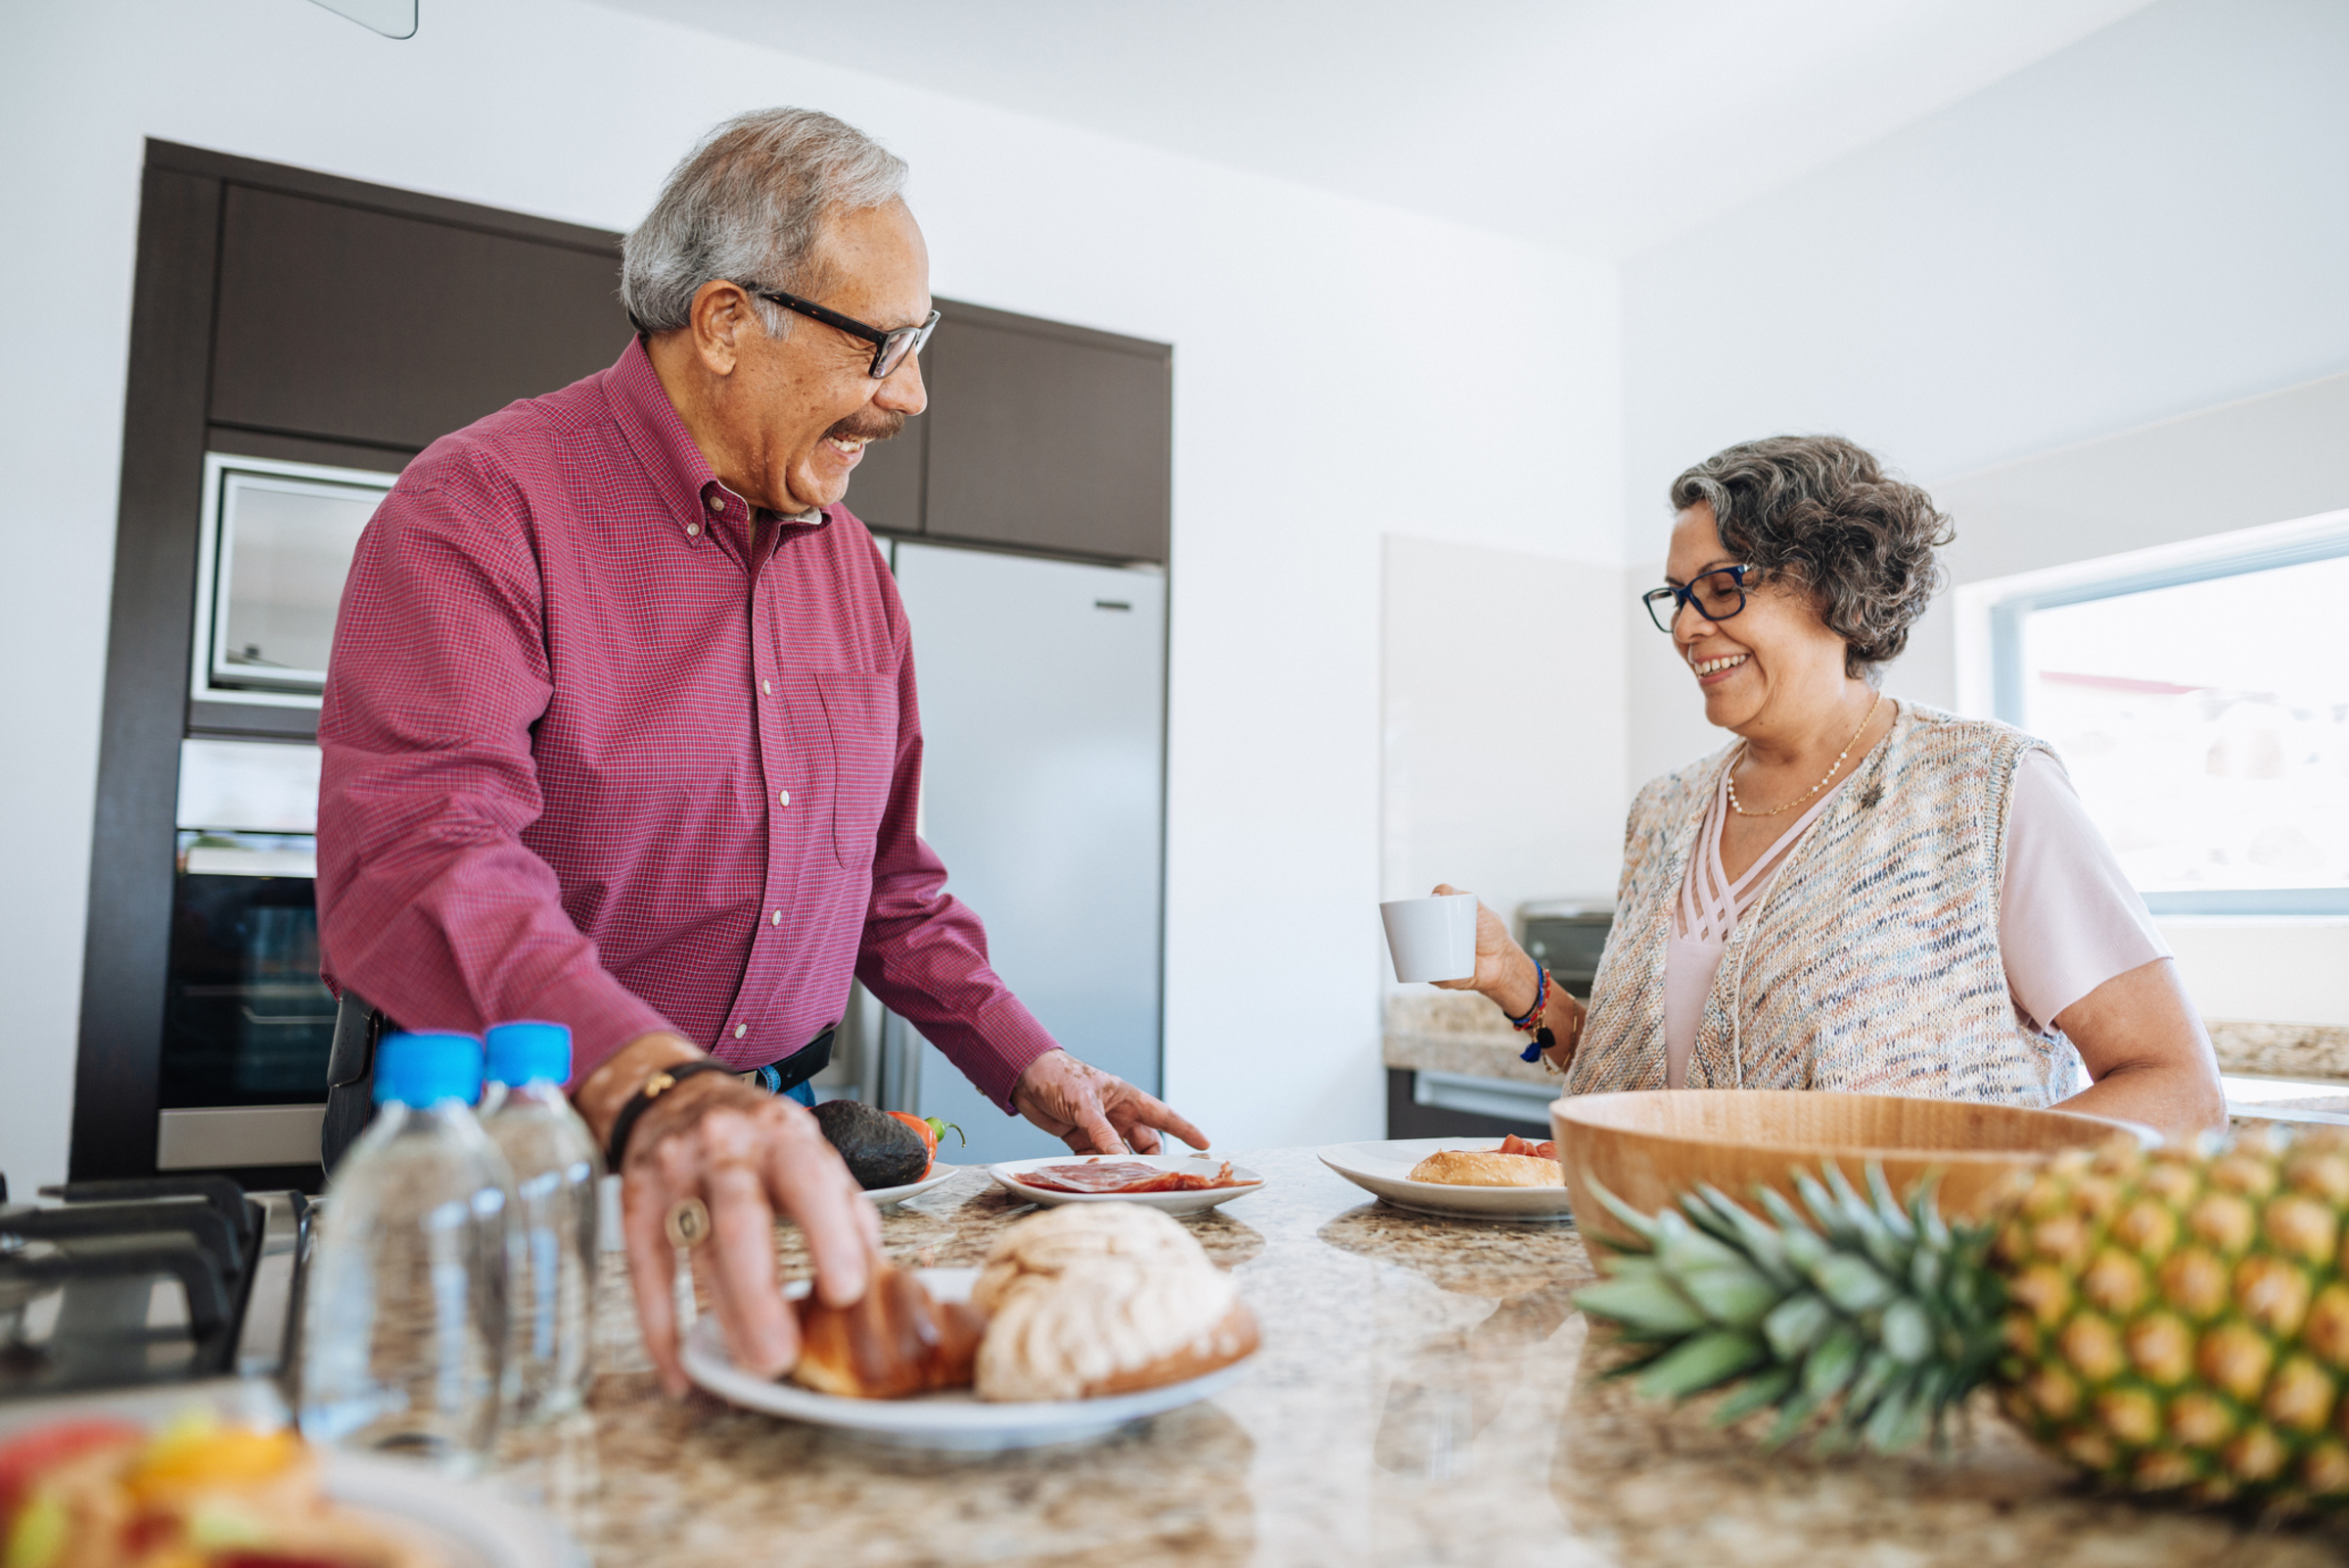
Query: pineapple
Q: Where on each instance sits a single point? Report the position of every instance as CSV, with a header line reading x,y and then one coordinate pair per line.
x,y
2173,1322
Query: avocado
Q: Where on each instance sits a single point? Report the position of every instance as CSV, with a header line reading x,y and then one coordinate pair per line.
x,y
881,1150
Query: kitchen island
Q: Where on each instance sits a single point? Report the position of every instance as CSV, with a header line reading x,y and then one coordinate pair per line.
x,y
1422,1397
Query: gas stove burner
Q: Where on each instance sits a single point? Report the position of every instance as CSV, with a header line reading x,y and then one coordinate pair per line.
x,y
119,1284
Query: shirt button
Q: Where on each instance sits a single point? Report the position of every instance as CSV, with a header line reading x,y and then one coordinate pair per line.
x,y
741,1030
768,686
693,530
783,797
717,502
775,919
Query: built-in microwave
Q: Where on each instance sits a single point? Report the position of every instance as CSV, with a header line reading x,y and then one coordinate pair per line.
x,y
276,543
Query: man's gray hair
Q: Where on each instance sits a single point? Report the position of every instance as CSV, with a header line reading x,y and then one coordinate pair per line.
x,y
746,206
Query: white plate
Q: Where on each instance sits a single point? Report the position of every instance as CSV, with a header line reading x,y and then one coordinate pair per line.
x,y
1385,1168
469,1524
939,1175
958,1419
1007,1174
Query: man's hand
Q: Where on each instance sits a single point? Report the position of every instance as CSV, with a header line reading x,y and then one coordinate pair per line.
x,y
750,1155
1095,1112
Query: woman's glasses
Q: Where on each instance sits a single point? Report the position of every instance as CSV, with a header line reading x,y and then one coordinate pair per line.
x,y
1718,595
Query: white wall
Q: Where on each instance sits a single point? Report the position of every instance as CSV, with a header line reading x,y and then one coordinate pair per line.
x,y
1501,758
1311,411
2154,222
2098,306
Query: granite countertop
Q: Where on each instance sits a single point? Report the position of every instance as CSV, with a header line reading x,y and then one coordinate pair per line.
x,y
1422,1397
1459,1032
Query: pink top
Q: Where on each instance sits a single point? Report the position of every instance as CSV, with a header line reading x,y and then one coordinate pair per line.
x,y
2068,918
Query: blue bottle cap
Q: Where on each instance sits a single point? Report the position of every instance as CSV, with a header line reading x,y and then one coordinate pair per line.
x,y
427,1067
528,1049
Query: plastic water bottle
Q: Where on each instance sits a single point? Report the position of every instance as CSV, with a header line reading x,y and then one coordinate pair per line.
x,y
556,1169
405,1323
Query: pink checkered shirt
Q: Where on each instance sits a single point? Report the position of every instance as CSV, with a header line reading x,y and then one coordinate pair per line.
x,y
603,749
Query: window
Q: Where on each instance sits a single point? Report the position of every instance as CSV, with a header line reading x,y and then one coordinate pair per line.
x,y
2200,699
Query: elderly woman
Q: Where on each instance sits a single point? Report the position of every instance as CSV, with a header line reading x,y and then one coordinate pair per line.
x,y
1859,893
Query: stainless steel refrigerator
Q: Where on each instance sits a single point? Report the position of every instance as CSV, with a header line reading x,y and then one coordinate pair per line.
x,y
1043,789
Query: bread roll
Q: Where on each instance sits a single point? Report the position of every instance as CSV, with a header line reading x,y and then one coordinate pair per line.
x,y
894,1341
1108,1298
1481,1168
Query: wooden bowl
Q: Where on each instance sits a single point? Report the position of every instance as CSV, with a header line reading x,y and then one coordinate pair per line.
x,y
1649,1146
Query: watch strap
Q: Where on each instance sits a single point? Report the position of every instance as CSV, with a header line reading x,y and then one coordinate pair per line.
x,y
651,1089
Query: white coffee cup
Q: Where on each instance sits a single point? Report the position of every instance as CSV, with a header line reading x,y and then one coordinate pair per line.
x,y
1431,939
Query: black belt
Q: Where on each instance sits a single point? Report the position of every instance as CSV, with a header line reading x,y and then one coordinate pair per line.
x,y
781,1078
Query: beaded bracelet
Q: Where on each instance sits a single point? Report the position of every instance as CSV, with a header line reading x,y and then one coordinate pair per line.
x,y
1531,1023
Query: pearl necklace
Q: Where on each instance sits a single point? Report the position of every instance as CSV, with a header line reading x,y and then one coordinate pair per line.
x,y
1815,788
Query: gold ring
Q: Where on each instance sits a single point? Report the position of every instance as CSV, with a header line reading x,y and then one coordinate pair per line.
x,y
688,1223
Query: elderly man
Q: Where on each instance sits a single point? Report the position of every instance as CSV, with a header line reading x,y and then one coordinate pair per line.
x,y
621,732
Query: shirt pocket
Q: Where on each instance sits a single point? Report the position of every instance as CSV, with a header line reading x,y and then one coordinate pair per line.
x,y
861,714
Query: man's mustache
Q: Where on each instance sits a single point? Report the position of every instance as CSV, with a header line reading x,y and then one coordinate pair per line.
x,y
868,425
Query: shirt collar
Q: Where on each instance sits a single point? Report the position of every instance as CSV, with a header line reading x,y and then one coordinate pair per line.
x,y
648,421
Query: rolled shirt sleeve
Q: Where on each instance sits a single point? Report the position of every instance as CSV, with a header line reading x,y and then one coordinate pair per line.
x,y
2069,920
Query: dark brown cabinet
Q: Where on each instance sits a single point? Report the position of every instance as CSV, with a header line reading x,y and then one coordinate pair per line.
x,y
1038,436
1048,436
345,322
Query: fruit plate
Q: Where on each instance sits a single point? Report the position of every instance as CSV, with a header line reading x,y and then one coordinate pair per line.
x,y
466,1524
1385,1168
1007,1174
940,1176
958,1420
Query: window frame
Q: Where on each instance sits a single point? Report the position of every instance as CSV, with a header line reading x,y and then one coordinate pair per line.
x,y
1990,654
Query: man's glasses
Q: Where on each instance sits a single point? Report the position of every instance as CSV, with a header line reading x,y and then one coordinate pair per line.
x,y
890,349
1718,595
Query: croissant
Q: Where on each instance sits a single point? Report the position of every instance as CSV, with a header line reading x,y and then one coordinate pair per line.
x,y
896,1340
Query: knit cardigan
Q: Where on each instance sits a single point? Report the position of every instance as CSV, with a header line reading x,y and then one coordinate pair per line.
x,y
1871,962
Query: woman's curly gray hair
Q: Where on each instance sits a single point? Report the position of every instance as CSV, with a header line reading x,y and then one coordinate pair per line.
x,y
1820,512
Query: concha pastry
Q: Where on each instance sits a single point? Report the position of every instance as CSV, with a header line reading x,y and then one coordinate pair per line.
x,y
1483,1168
1103,1298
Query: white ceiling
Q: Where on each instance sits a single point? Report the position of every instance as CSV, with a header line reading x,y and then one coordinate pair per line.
x,y
1603,126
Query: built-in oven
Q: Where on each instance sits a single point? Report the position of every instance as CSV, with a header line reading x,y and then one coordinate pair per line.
x,y
246,1022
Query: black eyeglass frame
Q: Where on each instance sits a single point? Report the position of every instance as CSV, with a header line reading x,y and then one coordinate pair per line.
x,y
890,349
1680,597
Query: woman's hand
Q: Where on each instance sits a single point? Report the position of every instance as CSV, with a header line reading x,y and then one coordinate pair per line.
x,y
1503,972
1094,1112
749,1156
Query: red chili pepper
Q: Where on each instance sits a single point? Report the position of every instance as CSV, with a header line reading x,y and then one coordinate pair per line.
x,y
930,1128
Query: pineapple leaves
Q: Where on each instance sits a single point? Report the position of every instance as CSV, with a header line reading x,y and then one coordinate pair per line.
x,y
1796,1324
1870,1315
1646,1306
1704,1362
